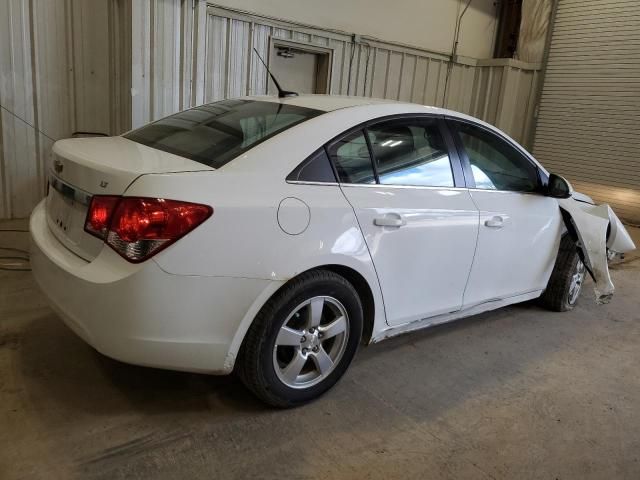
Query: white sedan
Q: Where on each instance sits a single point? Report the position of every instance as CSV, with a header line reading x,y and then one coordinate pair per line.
x,y
273,236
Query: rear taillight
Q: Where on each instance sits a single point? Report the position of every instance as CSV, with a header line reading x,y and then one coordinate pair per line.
x,y
138,228
99,215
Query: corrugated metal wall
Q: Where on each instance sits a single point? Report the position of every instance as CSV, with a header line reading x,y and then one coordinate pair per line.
x,y
62,66
205,54
104,66
588,126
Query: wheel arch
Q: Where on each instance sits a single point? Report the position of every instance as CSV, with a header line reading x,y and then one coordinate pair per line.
x,y
364,292
359,282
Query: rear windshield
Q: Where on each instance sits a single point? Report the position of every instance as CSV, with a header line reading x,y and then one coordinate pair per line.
x,y
216,133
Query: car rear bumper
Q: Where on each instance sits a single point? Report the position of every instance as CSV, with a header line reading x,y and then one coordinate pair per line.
x,y
139,313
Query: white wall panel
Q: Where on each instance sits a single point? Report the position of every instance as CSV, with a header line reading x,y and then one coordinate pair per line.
x,y
216,59
62,67
166,54
428,24
92,75
108,65
141,99
19,152
501,91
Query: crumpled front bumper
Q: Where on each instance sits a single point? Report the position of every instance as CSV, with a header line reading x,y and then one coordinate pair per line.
x,y
597,231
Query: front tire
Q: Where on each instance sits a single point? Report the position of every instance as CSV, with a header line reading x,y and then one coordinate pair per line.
x,y
302,340
567,278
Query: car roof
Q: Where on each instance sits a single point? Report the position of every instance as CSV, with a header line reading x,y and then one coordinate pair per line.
x,y
375,106
328,103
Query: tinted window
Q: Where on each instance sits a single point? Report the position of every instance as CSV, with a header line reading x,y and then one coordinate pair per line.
x,y
350,155
411,153
216,133
316,168
495,164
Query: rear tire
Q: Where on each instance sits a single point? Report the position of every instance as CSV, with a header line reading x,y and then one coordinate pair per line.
x,y
567,278
302,340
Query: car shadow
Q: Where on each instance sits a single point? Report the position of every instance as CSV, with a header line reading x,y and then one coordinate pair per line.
x,y
61,367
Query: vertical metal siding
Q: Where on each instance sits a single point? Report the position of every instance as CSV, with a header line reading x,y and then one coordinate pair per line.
x,y
92,75
19,149
166,57
588,125
75,66
62,70
499,91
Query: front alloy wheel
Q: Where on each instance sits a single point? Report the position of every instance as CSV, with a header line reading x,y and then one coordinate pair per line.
x,y
576,282
568,275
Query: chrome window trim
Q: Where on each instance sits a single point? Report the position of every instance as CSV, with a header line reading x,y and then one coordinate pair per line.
x,y
505,191
69,191
304,182
419,187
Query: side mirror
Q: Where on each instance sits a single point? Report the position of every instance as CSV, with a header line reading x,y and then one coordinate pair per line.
x,y
558,187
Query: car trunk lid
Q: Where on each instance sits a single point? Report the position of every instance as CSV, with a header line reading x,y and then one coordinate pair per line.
x,y
98,166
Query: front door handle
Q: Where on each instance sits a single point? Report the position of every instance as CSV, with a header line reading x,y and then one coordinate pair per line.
x,y
390,220
494,222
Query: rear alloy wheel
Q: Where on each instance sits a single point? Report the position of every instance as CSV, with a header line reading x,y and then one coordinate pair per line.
x,y
303,339
311,342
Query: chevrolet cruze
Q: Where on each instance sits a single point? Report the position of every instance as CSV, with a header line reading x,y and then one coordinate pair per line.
x,y
272,236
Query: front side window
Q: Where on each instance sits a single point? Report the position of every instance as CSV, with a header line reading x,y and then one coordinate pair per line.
x,y
495,164
411,153
350,155
216,133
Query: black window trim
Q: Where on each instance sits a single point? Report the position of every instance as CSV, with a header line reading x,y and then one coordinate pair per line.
x,y
294,176
466,164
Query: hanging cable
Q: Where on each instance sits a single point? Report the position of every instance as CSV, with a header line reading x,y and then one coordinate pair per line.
x,y
353,51
454,51
25,122
366,70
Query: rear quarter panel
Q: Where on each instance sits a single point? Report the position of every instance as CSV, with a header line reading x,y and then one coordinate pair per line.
x,y
243,237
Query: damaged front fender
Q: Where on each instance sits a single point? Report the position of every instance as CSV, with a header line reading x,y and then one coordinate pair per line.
x,y
596,229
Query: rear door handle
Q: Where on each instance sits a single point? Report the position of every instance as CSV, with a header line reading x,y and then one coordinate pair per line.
x,y
390,220
494,222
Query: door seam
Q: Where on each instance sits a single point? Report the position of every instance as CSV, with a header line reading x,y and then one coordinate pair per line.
x,y
475,250
375,270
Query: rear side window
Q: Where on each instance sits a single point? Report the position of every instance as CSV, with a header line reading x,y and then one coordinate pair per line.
x,y
317,168
411,153
216,133
350,155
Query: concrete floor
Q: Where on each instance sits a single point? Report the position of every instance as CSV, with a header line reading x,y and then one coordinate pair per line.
x,y
515,393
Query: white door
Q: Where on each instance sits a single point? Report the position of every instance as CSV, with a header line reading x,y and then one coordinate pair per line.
x,y
520,228
420,229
